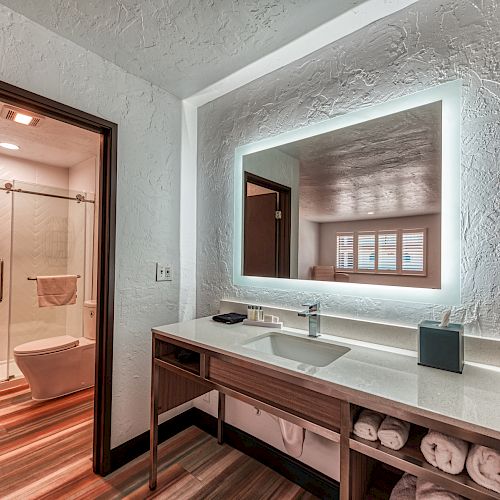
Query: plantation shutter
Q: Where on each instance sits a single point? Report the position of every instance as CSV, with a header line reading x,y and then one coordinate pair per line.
x,y
345,251
366,251
387,251
413,251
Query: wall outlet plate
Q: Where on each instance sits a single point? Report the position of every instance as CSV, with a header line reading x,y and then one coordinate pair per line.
x,y
163,272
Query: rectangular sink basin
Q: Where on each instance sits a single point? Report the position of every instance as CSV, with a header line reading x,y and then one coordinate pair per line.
x,y
304,350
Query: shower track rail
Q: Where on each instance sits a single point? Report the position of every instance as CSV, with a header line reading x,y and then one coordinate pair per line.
x,y
79,198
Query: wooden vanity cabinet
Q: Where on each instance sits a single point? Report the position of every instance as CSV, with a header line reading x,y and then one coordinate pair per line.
x,y
182,371
284,393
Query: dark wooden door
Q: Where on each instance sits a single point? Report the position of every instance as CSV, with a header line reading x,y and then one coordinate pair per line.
x,y
260,235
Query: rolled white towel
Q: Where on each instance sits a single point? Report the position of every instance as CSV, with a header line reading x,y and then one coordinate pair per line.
x,y
405,489
367,425
444,452
483,466
393,433
430,491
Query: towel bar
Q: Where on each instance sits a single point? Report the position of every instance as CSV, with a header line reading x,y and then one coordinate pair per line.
x,y
34,279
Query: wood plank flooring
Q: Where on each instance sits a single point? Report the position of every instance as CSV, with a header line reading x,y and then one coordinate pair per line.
x,y
46,450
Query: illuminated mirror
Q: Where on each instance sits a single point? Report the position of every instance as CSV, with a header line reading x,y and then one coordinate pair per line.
x,y
362,204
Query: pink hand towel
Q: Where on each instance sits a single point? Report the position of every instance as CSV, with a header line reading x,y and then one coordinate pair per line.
x,y
393,433
293,437
447,453
367,425
483,466
56,290
430,491
405,489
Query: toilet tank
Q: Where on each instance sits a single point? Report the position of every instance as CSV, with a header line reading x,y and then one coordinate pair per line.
x,y
89,319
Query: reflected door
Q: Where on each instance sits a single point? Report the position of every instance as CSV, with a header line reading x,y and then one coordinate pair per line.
x,y
260,235
5,247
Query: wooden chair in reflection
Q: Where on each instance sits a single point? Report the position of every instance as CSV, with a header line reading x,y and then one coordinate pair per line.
x,y
328,273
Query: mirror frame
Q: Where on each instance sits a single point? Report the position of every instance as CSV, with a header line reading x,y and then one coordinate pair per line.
x,y
450,292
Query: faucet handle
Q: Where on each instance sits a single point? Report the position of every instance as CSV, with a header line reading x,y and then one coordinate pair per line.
x,y
311,305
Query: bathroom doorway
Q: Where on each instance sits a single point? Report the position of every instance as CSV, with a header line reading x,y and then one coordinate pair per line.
x,y
57,227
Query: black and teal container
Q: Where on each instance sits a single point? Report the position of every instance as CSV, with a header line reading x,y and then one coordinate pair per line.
x,y
441,346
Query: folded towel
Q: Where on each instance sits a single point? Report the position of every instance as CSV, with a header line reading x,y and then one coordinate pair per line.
x,y
483,466
293,437
430,491
393,433
56,290
405,489
367,425
444,452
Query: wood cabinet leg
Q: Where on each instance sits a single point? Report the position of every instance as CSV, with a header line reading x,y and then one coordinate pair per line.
x,y
345,452
221,411
153,426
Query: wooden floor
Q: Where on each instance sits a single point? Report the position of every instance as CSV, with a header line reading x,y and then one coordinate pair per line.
x,y
46,449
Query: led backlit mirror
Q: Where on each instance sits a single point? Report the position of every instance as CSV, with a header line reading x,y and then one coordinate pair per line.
x,y
361,203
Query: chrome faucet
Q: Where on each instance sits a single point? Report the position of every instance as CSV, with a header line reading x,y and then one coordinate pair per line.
x,y
312,313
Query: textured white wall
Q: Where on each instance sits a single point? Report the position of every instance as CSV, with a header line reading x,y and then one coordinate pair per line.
x,y
149,124
424,45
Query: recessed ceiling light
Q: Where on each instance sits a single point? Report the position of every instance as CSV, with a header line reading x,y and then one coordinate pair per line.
x,y
370,213
24,119
8,145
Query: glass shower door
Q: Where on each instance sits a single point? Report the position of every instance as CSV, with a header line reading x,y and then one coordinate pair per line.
x,y
5,248
48,238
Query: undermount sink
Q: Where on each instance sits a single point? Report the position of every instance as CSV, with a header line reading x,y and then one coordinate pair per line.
x,y
305,350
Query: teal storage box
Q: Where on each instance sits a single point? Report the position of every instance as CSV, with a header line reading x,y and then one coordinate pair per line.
x,y
441,346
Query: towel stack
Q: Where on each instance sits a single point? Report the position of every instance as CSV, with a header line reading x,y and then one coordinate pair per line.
x,y
392,432
411,488
451,455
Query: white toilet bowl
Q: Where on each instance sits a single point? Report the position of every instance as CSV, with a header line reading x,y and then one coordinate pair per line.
x,y
61,365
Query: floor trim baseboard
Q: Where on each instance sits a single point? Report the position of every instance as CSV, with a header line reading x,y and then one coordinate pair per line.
x,y
305,476
138,445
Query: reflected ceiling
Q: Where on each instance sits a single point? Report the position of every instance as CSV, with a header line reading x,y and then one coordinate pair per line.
x,y
390,166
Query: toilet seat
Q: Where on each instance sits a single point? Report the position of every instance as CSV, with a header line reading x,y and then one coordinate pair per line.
x,y
46,346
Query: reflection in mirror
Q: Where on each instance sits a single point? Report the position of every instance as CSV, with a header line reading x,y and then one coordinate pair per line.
x,y
360,204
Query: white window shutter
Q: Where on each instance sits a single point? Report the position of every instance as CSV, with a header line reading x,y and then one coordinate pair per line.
x,y
387,251
345,251
366,251
413,251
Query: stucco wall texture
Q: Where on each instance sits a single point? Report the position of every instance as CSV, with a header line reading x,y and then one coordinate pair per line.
x,y
149,130
427,44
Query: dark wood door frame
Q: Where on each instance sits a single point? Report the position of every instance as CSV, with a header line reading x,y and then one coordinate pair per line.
x,y
106,249
284,225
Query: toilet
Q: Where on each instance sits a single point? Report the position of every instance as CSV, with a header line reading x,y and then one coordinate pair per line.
x,y
60,365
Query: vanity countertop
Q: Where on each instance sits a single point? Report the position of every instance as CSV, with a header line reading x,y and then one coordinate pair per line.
x,y
369,371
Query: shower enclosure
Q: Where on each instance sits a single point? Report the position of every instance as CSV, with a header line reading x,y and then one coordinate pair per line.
x,y
43,231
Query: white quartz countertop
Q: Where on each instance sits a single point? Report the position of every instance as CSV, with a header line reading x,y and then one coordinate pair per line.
x,y
472,397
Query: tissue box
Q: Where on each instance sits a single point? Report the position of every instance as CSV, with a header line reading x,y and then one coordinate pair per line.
x,y
441,346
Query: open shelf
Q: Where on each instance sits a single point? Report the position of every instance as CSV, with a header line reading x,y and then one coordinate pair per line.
x,y
180,357
382,481
410,459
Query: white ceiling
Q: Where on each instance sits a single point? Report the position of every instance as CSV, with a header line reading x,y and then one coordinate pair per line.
x,y
390,166
51,142
182,46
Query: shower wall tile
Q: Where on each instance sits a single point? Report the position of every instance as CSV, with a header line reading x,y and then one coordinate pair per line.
x,y
30,171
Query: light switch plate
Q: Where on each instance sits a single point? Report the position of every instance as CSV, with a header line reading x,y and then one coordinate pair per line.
x,y
163,272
